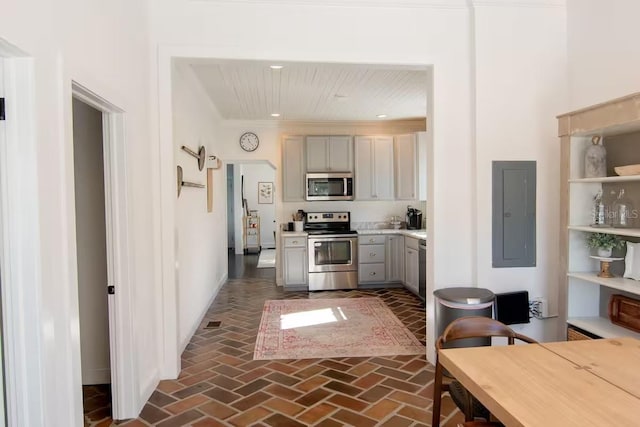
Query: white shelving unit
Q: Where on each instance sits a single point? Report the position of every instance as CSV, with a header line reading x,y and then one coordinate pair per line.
x,y
586,295
602,327
619,283
251,235
629,232
606,179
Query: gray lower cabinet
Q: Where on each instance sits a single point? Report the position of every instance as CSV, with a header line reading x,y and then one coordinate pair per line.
x,y
395,258
371,259
381,259
295,262
412,264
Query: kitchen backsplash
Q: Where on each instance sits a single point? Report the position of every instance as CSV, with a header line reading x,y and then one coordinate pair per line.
x,y
369,215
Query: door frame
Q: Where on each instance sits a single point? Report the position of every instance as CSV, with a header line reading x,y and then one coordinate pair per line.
x,y
20,244
124,388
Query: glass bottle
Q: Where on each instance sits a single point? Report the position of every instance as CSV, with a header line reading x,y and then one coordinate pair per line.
x,y
622,211
598,211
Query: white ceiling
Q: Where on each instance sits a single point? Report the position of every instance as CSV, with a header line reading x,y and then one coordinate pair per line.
x,y
251,90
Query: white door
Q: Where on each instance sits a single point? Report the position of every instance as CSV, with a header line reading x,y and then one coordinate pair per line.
x,y
2,383
91,238
120,338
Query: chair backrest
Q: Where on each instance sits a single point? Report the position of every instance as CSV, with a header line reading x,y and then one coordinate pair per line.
x,y
479,327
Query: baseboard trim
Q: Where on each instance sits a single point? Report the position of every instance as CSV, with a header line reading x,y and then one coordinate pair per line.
x,y
204,313
147,391
97,376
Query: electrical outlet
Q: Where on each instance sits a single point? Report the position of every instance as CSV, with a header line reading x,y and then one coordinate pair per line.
x,y
543,307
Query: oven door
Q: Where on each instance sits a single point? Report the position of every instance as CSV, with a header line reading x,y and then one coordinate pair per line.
x,y
333,254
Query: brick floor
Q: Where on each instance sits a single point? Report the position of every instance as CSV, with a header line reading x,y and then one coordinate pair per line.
x,y
221,384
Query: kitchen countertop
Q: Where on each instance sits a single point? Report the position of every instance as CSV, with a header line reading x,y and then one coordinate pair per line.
x,y
417,234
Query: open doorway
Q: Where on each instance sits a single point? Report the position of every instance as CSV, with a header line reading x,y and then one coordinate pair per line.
x,y
231,218
102,257
91,241
252,187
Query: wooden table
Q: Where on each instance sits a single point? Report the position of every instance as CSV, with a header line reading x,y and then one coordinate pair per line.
x,y
576,383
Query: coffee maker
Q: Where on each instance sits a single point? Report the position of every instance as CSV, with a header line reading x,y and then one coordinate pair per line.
x,y
414,218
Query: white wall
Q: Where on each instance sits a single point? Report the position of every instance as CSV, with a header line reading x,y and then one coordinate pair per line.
x,y
200,235
520,87
429,33
103,46
92,243
603,50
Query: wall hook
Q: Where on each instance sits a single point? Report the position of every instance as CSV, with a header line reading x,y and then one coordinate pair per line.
x,y
200,155
182,183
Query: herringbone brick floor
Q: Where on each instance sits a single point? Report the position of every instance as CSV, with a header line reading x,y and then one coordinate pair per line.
x,y
221,385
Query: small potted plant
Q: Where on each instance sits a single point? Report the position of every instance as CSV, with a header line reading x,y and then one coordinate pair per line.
x,y
604,243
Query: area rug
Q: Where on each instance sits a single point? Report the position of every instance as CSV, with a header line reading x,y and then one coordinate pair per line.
x,y
326,328
267,258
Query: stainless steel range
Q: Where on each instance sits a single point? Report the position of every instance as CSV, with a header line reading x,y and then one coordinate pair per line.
x,y
333,251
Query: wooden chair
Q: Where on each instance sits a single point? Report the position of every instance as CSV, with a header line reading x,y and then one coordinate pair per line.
x,y
480,424
467,327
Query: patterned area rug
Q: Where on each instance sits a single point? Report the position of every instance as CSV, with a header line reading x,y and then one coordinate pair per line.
x,y
325,328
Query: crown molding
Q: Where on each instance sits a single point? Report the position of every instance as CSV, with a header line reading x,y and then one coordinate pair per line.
x,y
417,4
420,4
520,3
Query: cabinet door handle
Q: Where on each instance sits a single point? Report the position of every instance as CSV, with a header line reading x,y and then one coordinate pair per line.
x,y
372,254
373,273
371,240
295,242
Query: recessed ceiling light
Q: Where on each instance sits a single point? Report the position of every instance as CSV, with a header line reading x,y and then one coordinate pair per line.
x,y
275,114
276,67
381,116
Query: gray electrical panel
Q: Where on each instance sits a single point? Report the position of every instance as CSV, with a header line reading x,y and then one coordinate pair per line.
x,y
514,214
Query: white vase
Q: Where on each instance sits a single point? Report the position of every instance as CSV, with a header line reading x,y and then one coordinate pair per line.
x,y
595,159
605,253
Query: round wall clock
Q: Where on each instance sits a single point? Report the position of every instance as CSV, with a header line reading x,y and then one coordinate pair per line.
x,y
249,141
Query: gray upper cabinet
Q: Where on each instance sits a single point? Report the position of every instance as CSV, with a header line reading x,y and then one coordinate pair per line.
x,y
422,165
329,154
374,167
406,167
293,169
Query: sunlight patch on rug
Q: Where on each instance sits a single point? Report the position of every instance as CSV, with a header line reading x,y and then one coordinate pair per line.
x,y
326,328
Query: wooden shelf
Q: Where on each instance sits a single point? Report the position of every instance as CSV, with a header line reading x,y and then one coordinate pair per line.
x,y
606,179
587,295
631,232
602,327
619,283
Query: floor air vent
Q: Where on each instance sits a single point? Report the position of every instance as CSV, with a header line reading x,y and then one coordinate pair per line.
x,y
213,324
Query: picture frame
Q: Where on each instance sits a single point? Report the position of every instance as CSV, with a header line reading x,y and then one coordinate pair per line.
x,y
632,261
265,193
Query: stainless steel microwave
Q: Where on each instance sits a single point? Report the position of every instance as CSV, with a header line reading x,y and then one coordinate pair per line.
x,y
330,186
